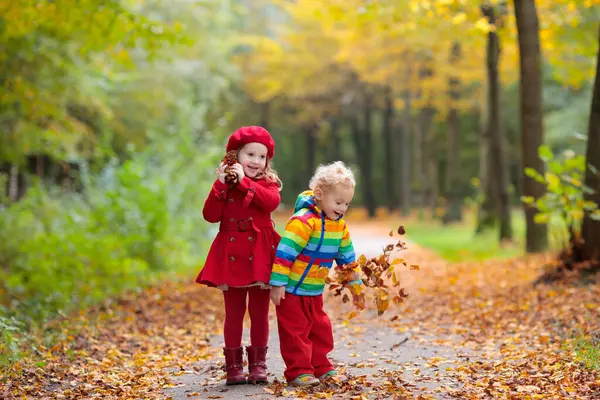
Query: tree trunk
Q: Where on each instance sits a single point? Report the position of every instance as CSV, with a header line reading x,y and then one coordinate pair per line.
x,y
13,183
426,119
590,231
363,146
367,156
311,150
452,178
532,131
336,140
264,114
422,142
388,123
486,216
498,146
39,165
418,174
405,156
434,177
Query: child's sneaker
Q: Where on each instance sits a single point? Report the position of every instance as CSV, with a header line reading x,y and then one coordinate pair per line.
x,y
328,374
305,380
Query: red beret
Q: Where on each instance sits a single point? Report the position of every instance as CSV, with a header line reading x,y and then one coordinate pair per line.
x,y
249,134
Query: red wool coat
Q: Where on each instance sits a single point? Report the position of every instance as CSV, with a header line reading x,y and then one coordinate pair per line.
x,y
243,251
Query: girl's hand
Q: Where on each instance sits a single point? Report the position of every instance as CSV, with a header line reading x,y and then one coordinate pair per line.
x,y
239,170
277,293
221,172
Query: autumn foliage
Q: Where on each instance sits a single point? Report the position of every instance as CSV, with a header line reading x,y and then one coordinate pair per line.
x,y
378,274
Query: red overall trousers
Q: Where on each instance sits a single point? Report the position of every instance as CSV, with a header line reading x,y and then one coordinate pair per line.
x,y
305,335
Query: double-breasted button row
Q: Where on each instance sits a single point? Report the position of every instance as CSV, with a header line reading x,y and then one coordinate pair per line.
x,y
232,239
232,258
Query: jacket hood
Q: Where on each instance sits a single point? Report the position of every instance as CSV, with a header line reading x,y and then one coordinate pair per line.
x,y
306,199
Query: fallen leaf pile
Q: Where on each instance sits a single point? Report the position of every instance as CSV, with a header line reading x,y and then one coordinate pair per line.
x,y
477,330
348,386
377,275
123,352
518,335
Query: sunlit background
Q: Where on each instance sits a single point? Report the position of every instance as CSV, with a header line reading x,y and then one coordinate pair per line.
x,y
114,115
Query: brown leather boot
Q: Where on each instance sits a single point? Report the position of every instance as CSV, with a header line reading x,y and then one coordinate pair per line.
x,y
257,364
234,365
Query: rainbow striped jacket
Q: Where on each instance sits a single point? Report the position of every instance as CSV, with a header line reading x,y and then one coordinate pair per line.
x,y
308,246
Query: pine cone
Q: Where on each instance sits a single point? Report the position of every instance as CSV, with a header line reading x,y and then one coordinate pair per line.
x,y
229,160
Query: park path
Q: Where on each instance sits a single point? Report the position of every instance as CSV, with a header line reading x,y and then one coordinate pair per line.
x,y
383,358
473,330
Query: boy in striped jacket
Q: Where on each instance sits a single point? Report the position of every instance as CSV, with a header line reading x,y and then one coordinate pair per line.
x,y
314,237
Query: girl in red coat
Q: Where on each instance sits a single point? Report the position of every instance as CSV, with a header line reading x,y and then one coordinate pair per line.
x,y
240,258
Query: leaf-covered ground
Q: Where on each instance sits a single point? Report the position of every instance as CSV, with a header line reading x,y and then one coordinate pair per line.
x,y
505,338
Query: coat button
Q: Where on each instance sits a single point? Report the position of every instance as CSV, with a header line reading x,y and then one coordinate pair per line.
x,y
232,258
230,200
249,218
231,219
232,239
273,246
250,258
250,238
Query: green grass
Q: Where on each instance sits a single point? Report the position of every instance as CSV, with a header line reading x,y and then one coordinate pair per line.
x,y
458,242
588,353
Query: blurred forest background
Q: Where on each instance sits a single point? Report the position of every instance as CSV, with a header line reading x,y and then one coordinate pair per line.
x,y
114,115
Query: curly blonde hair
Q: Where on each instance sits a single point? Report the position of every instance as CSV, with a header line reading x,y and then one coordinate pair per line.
x,y
328,175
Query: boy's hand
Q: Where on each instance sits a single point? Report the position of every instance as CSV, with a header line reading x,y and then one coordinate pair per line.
x,y
358,295
277,293
358,300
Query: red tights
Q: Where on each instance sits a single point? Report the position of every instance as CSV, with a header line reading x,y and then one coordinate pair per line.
x,y
235,309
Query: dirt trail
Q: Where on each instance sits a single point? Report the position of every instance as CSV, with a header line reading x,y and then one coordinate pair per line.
x,y
371,349
466,331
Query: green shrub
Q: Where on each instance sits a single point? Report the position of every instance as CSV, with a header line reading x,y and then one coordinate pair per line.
x,y
63,250
564,196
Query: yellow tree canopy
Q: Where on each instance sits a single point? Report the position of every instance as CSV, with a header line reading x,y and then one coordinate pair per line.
x,y
49,47
389,42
